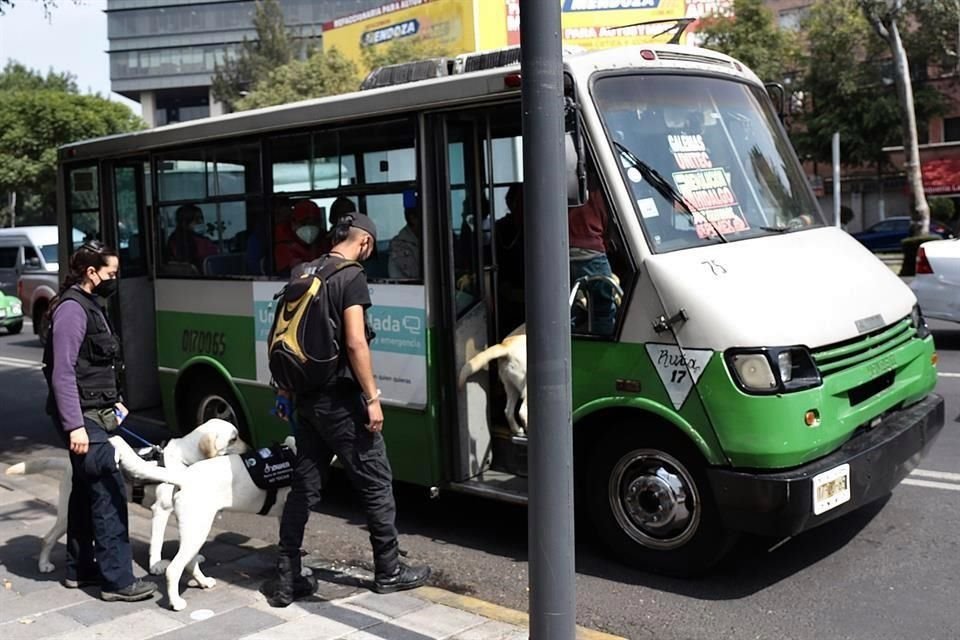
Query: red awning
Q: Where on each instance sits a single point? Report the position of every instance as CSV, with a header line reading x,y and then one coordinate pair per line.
x,y
941,175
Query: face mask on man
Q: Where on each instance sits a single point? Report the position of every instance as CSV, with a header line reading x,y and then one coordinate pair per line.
x,y
308,233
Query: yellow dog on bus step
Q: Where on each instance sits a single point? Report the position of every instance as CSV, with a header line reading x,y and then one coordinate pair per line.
x,y
513,374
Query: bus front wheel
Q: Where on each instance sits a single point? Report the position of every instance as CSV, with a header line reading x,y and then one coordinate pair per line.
x,y
211,397
651,505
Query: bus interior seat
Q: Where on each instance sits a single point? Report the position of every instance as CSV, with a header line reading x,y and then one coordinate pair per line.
x,y
225,264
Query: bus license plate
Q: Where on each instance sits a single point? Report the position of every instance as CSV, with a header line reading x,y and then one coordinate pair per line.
x,y
831,489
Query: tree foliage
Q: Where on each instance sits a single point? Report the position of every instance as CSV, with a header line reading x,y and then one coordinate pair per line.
x,y
322,74
38,114
848,85
274,46
752,36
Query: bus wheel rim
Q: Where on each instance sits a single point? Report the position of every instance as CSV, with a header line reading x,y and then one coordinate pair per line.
x,y
215,406
654,499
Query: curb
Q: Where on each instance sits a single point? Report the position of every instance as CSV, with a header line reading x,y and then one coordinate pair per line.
x,y
496,612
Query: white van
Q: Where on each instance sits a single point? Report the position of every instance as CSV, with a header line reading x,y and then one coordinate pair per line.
x,y
23,249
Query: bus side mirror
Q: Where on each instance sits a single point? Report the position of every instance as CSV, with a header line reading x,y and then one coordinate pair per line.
x,y
575,156
778,95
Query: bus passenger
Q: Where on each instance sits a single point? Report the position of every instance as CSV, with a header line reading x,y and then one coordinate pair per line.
x,y
300,240
588,256
80,363
404,262
341,206
188,243
344,418
510,259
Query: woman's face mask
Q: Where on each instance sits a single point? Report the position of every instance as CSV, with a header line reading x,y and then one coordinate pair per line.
x,y
200,228
308,233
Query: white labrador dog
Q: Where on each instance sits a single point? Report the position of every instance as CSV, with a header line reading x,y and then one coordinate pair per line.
x,y
513,374
208,487
212,438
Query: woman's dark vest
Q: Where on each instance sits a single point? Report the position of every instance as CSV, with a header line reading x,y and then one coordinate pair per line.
x,y
98,361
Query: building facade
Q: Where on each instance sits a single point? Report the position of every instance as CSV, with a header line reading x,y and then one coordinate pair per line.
x,y
163,52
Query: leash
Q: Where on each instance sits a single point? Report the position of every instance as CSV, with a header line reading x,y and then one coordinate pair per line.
x,y
136,437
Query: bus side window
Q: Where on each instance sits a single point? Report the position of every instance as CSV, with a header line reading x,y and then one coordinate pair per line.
x,y
208,198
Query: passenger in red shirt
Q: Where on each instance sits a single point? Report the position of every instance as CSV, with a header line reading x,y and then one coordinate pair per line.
x,y
302,239
588,257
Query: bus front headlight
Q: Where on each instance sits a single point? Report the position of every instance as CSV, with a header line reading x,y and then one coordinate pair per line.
x,y
773,370
754,371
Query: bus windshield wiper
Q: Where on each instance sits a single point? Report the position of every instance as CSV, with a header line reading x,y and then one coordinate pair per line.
x,y
663,187
781,229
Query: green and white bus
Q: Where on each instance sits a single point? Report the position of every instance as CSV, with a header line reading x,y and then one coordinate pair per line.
x,y
765,374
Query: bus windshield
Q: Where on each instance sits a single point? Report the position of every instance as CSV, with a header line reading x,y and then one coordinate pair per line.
x,y
704,159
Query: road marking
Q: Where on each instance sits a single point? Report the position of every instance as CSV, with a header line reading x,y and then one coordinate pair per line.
x,y
932,485
937,475
948,375
17,363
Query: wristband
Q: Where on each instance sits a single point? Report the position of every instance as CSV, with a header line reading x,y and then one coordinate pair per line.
x,y
374,398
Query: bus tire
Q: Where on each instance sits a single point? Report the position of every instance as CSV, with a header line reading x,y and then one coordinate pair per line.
x,y
209,396
651,505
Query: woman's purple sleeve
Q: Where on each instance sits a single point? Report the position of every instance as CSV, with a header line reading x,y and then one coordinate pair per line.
x,y
70,327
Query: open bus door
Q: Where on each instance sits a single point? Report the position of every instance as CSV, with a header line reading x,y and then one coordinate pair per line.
x,y
135,310
484,451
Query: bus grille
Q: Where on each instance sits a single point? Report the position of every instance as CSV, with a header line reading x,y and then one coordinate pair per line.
x,y
843,355
676,56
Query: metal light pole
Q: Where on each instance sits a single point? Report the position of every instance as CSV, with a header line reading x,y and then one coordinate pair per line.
x,y
550,455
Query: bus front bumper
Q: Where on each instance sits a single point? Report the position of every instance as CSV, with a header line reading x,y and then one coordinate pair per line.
x,y
782,503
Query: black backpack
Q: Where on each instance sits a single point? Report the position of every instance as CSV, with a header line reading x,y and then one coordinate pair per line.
x,y
303,347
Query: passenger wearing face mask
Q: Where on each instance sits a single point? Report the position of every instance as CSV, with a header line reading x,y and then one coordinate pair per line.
x,y
305,240
81,362
188,242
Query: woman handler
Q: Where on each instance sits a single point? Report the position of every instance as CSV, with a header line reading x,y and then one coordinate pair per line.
x,y
80,364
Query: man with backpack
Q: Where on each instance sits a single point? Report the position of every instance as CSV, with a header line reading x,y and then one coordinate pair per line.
x,y
337,406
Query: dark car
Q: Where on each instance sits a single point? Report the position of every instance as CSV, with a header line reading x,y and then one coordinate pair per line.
x,y
887,234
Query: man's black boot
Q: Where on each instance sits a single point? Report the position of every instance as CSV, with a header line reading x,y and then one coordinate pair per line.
x,y
405,577
280,591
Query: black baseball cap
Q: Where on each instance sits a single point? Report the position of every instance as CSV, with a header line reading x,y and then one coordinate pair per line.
x,y
362,221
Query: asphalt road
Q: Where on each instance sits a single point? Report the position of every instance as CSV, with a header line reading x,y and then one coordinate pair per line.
x,y
886,572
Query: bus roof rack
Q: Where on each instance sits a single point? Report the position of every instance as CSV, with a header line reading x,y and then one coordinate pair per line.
x,y
480,60
405,72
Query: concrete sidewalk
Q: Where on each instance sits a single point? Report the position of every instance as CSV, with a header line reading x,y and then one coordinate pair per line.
x,y
35,605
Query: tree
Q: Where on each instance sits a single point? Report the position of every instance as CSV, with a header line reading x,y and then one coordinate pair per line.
x,y
403,50
752,36
847,90
274,47
883,16
322,74
38,115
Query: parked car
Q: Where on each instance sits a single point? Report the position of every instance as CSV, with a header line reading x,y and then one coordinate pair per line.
x,y
29,268
11,313
937,282
887,234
